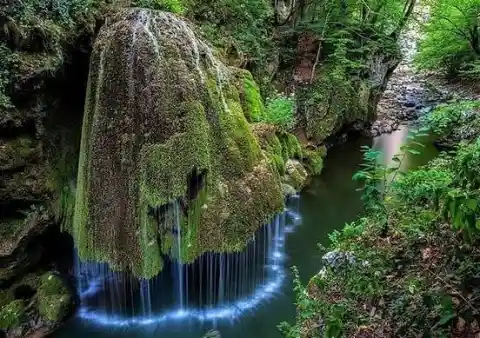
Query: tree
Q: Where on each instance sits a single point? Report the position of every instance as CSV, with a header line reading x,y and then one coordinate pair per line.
x,y
452,37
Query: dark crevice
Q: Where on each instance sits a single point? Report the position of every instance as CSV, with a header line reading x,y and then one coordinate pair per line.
x,y
15,208
24,292
196,182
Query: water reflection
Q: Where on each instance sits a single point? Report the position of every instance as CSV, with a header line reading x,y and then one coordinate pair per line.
x,y
390,145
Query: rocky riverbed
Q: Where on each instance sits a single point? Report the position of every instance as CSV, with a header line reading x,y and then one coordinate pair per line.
x,y
409,94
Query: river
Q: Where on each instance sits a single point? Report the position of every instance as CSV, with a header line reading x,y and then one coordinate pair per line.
x,y
326,204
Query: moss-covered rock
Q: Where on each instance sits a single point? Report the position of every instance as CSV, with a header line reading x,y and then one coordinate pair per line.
x,y
5,297
250,96
313,159
295,175
53,298
338,100
165,135
284,152
12,314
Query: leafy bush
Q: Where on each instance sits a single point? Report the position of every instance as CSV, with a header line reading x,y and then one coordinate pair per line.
x,y
452,37
280,111
240,28
423,186
446,117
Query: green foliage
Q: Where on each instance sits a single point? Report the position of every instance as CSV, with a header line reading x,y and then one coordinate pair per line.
x,y
419,266
279,110
239,28
305,305
446,117
376,177
462,202
423,186
452,38
35,35
174,6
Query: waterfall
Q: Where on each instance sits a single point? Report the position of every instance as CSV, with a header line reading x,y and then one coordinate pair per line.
x,y
179,265
217,286
161,112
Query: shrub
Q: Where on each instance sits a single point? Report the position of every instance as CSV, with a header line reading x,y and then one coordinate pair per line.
x,y
423,186
451,40
279,110
444,118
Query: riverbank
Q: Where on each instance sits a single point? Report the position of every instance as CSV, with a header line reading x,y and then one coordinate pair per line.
x,y
412,269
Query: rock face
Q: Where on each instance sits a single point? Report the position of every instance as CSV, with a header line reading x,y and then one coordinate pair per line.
x,y
164,126
329,104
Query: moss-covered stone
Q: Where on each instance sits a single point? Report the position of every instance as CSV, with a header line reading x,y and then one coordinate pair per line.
x,y
296,175
53,298
12,314
336,100
313,159
164,136
250,96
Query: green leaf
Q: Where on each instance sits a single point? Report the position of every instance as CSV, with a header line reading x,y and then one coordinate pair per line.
x,y
414,152
446,318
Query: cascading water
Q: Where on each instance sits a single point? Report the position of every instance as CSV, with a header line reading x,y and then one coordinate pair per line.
x,y
215,287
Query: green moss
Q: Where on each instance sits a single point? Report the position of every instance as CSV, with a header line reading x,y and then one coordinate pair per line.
x,y
174,6
53,297
142,153
333,101
12,314
291,147
250,96
296,175
314,159
5,297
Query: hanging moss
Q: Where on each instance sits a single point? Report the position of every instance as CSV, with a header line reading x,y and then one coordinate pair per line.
x,y
161,113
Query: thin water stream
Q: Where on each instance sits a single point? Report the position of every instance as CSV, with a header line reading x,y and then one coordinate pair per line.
x,y
244,295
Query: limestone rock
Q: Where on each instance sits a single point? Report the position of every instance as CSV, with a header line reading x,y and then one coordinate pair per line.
x,y
295,174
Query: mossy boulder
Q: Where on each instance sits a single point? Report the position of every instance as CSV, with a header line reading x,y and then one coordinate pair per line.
x,y
285,154
12,314
53,297
313,159
165,135
295,175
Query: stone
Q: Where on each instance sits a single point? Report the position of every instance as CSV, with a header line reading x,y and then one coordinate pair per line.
x,y
212,334
338,259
